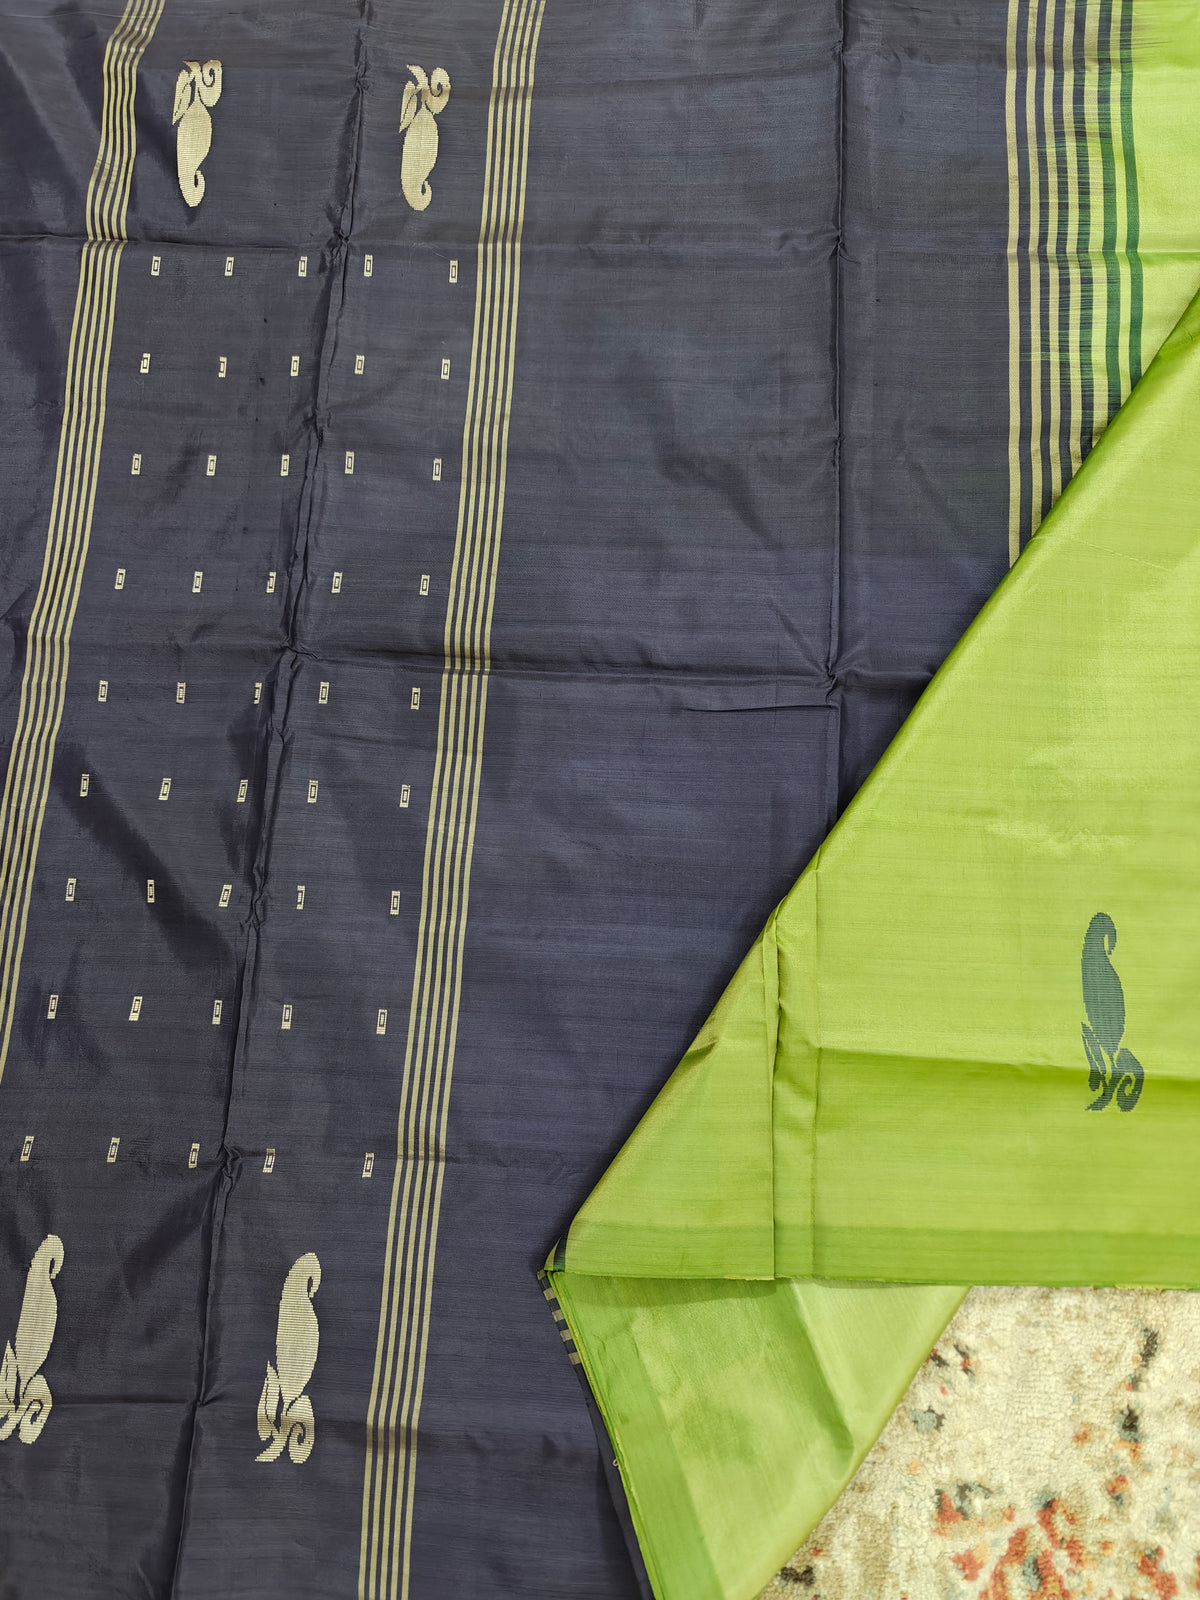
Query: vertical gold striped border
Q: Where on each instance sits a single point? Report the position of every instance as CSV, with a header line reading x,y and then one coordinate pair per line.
x,y
1093,352
1073,270
47,648
1034,254
397,1384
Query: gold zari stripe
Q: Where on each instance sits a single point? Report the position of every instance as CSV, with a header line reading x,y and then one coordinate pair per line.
x,y
47,649
399,1372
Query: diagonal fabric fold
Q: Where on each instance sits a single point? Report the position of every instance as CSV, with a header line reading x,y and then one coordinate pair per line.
x,y
964,1047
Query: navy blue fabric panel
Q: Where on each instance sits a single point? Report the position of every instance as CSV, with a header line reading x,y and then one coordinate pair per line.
x,y
675,506
49,122
923,354
38,279
619,834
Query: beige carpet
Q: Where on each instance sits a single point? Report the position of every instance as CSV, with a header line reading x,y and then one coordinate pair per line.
x,y
1049,1449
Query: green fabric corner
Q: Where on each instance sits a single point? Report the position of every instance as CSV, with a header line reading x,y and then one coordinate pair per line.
x,y
778,1388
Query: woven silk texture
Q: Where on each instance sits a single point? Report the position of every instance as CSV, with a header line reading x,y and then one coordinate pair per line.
x,y
514,1033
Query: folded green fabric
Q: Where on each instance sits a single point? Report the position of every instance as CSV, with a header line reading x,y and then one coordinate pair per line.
x,y
964,1049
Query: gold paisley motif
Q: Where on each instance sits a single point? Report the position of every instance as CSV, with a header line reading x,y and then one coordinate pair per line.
x,y
25,1398
196,89
423,100
285,1413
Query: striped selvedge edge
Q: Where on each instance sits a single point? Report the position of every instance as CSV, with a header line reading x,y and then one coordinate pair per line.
x,y
399,1371
560,1319
47,648
1074,271
614,1470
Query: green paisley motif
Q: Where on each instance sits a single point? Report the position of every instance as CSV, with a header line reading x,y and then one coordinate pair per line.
x,y
1113,1070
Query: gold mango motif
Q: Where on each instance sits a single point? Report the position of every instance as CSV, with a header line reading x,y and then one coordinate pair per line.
x,y
25,1398
285,1413
423,100
196,89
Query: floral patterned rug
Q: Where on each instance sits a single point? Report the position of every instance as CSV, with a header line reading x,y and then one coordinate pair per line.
x,y
1048,1449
